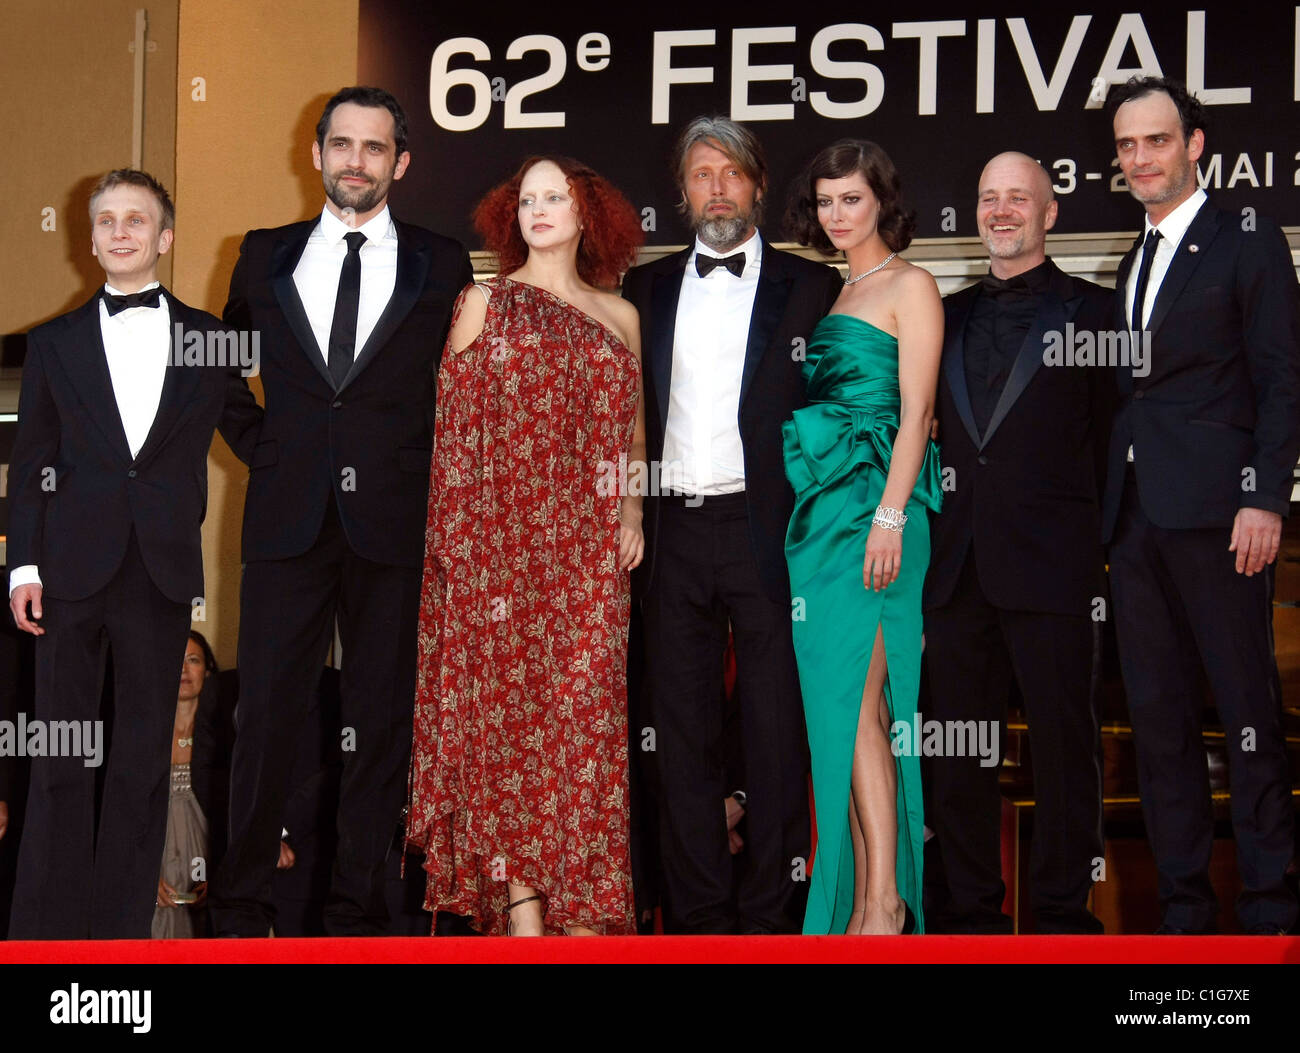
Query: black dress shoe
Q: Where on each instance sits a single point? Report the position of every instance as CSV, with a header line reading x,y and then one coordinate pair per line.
x,y
1266,929
1174,930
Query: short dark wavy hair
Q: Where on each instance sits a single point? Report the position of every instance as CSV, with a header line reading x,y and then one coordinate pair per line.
x,y
896,223
365,96
1191,111
611,225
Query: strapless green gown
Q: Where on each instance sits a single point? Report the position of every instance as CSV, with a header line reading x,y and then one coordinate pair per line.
x,y
837,454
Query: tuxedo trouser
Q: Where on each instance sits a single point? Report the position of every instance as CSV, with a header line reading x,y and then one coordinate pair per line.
x,y
705,576
1179,601
642,781
287,616
973,650
13,782
71,883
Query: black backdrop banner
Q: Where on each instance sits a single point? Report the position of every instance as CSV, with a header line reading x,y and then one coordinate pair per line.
x,y
942,87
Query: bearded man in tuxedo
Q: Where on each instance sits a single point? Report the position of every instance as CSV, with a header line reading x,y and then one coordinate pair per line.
x,y
353,307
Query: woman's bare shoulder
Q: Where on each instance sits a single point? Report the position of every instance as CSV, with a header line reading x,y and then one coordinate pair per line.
x,y
621,316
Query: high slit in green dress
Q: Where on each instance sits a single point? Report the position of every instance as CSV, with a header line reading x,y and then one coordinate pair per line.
x,y
837,455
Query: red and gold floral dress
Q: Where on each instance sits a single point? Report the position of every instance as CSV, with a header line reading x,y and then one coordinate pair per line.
x,y
519,762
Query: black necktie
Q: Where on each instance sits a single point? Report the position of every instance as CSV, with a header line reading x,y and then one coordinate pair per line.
x,y
1144,273
115,303
734,263
343,331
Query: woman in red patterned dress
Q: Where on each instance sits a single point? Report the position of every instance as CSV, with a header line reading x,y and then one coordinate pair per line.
x,y
519,765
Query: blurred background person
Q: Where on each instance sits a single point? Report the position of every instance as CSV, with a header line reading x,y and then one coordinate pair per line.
x,y
197,802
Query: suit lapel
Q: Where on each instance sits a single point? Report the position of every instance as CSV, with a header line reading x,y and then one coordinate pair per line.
x,y
1051,316
954,364
769,305
412,269
179,383
284,258
1124,377
1121,281
86,363
1200,233
663,327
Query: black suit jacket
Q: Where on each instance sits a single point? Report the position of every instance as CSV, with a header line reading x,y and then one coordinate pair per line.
x,y
1026,493
214,745
792,295
370,442
1223,393
74,522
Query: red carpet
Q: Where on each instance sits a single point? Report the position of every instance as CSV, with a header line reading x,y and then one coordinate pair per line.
x,y
677,950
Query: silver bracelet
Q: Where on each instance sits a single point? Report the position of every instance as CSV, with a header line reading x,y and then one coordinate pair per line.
x,y
889,518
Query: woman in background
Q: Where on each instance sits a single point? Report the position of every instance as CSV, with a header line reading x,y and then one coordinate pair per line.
x,y
196,805
519,765
864,472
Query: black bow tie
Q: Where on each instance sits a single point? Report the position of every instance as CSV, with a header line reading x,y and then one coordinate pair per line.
x,y
1014,287
115,303
734,263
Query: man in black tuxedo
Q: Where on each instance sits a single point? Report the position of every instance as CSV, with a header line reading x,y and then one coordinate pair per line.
x,y
353,309
1200,474
722,323
1016,569
108,488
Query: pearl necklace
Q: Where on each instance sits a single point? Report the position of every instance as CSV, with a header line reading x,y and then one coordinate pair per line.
x,y
867,274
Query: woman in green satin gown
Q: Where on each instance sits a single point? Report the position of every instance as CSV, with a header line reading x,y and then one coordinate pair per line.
x,y
865,474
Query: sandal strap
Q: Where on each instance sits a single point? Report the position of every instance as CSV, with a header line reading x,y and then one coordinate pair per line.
x,y
520,902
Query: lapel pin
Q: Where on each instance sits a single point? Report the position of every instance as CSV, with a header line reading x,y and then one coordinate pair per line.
x,y
1193,248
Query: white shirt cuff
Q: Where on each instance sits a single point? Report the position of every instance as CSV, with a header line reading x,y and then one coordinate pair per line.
x,y
24,575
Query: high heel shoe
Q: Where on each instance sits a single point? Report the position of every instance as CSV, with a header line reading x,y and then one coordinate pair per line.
x,y
909,921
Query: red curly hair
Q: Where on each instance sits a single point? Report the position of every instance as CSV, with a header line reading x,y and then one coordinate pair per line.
x,y
611,231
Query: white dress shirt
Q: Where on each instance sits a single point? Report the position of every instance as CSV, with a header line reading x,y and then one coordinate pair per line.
x,y
137,343
318,270
1172,229
703,454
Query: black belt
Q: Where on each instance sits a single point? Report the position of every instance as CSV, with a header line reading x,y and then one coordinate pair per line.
x,y
716,502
